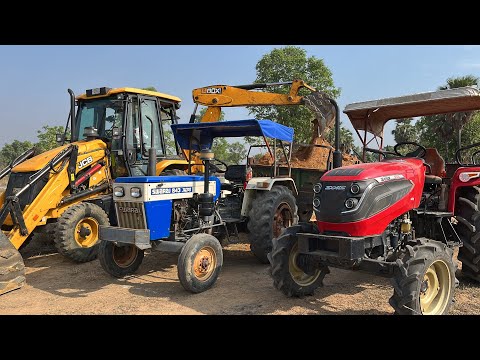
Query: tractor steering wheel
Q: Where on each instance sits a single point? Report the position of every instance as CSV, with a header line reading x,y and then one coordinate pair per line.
x,y
419,152
215,167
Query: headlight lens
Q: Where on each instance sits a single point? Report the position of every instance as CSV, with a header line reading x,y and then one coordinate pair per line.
x,y
316,202
317,188
351,203
355,189
135,192
118,191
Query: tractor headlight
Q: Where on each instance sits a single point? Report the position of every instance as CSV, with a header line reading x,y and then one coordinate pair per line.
x,y
118,191
135,192
317,188
351,203
316,202
354,188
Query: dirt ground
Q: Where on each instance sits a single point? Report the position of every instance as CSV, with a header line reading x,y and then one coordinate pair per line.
x,y
55,285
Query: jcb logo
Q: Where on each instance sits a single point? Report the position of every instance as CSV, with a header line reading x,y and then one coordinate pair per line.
x,y
212,90
85,162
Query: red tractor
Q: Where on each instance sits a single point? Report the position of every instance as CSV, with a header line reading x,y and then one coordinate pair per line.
x,y
400,217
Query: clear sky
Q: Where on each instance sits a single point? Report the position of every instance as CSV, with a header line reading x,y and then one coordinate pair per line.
x,y
34,79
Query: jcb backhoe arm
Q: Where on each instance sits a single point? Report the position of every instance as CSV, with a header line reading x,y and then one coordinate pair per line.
x,y
217,96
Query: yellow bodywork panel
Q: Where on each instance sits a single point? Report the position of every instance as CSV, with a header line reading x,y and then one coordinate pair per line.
x,y
133,91
217,96
46,204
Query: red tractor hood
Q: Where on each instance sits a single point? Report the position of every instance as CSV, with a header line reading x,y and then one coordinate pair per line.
x,y
388,170
361,200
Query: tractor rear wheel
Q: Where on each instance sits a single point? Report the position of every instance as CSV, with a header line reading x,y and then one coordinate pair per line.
x,y
173,172
424,282
12,268
468,215
76,235
200,262
272,212
288,265
119,261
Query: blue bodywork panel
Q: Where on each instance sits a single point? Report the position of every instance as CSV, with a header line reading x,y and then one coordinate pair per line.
x,y
199,136
158,215
159,179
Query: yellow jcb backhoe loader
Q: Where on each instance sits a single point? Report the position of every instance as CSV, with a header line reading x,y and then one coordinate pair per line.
x,y
66,193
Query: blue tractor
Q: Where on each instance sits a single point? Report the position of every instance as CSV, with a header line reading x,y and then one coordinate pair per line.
x,y
189,214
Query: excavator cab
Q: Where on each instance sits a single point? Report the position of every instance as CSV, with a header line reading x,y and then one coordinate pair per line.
x,y
130,121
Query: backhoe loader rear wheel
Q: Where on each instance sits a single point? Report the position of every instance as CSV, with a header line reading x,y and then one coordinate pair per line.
x,y
119,261
424,281
288,266
272,212
12,268
76,235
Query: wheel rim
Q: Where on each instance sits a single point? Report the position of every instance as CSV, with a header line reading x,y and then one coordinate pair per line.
x,y
124,256
204,263
297,273
282,219
86,232
435,288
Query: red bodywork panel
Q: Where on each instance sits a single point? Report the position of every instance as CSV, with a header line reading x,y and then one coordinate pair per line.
x,y
456,183
411,168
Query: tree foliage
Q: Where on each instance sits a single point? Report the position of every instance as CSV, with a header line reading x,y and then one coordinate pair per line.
x,y
11,151
442,131
47,137
346,139
286,64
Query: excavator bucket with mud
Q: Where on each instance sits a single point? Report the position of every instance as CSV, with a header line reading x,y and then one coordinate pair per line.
x,y
12,268
319,103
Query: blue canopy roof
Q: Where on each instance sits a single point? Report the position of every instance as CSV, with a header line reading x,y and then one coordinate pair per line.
x,y
202,134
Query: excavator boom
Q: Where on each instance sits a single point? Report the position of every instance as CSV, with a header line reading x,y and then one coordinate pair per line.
x,y
217,96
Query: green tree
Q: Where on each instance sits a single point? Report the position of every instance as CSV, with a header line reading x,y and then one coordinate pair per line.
x,y
150,88
11,151
47,137
286,64
346,139
444,131
405,131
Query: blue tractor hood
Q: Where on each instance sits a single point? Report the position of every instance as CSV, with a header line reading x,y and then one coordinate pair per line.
x,y
199,136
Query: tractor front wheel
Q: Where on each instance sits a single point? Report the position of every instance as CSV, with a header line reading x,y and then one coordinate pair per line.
x,y
424,281
293,273
200,262
119,261
76,233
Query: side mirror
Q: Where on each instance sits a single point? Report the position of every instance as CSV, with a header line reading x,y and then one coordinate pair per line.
x,y
60,138
116,133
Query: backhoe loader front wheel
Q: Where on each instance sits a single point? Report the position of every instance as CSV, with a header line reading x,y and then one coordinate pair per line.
x,y
76,235
12,268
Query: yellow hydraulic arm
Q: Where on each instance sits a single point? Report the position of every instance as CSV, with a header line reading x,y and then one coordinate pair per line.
x,y
217,96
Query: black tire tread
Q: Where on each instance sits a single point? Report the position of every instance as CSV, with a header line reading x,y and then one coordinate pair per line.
x,y
279,256
105,257
64,239
468,215
261,217
409,275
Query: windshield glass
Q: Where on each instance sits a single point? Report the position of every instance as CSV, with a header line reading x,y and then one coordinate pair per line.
x,y
102,114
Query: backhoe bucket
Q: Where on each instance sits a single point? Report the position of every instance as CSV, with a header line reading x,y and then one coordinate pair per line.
x,y
322,108
12,268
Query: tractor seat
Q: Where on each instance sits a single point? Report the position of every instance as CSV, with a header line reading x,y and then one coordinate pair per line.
x,y
236,173
432,179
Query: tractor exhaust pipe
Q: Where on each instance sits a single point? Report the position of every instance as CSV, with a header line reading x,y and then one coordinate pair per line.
x,y
205,199
337,155
72,115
